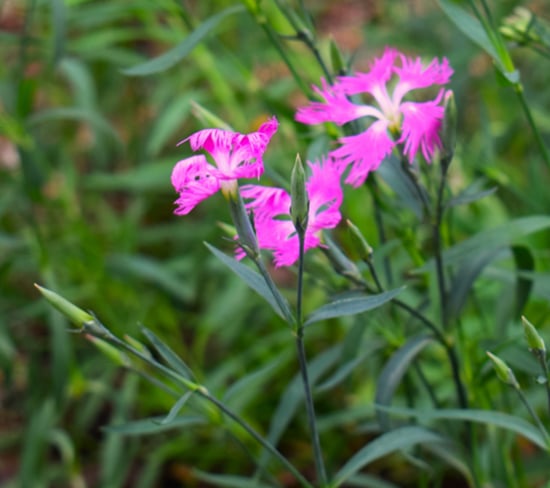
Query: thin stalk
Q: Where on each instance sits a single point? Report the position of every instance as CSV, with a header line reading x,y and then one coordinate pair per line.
x,y
267,445
518,88
533,414
317,453
436,229
542,360
203,392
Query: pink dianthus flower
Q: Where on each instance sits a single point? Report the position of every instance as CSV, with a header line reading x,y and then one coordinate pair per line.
x,y
413,124
271,210
235,156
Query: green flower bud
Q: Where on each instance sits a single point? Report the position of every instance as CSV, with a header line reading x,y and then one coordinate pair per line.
x,y
503,371
448,129
299,210
114,354
247,237
534,340
359,242
336,58
76,315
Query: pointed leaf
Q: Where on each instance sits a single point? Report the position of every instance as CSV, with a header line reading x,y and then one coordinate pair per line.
x,y
154,425
229,481
525,262
176,408
393,373
490,417
469,196
395,440
177,53
351,306
168,355
249,276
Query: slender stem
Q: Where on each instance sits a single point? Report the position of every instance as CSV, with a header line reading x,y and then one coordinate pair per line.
x,y
518,88
533,414
203,392
541,356
267,445
317,453
438,248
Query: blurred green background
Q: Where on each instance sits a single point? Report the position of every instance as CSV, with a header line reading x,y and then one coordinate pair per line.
x,y
86,151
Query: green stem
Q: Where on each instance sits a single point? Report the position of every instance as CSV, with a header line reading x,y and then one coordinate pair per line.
x,y
438,248
541,356
267,445
533,414
317,453
518,88
203,392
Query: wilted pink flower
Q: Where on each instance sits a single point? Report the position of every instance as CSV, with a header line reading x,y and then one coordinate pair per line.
x,y
413,124
235,156
271,210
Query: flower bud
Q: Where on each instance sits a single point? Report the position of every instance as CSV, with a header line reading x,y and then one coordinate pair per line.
x,y
448,128
503,371
359,242
534,340
114,354
336,58
76,315
299,209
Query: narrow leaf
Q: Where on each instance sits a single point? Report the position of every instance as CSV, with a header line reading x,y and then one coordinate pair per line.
x,y
249,276
393,373
490,417
395,440
351,306
176,408
525,262
168,355
177,53
229,481
469,196
153,425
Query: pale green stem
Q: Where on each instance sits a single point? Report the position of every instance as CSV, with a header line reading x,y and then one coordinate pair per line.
x,y
533,415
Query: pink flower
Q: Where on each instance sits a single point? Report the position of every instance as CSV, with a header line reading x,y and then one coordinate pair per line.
x,y
271,210
413,124
235,156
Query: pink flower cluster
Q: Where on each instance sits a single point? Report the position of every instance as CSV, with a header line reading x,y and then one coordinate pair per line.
x,y
413,126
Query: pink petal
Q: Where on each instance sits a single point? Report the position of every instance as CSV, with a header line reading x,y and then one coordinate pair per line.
x,y
195,180
364,151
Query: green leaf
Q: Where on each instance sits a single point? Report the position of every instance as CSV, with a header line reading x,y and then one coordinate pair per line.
x,y
351,306
177,53
395,440
176,408
153,425
152,176
393,372
229,481
525,262
471,194
491,239
469,26
151,271
249,276
489,417
168,355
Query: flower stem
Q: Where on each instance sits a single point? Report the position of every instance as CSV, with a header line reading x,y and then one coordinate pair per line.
x,y
533,414
319,463
438,247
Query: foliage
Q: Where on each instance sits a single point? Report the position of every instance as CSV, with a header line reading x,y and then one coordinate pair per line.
x,y
95,96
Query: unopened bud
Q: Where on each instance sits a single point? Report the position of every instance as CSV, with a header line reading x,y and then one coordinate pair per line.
x,y
76,315
448,128
359,242
534,340
299,209
114,354
503,371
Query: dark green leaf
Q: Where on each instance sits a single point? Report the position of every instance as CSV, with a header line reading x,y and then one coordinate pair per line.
x,y
395,440
176,408
351,306
177,53
525,262
249,276
153,425
393,372
229,481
